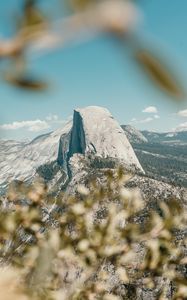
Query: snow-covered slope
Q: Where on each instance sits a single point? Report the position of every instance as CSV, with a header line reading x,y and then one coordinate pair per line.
x,y
134,135
93,132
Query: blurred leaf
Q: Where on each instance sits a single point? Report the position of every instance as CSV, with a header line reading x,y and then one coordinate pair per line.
x,y
32,19
159,73
26,83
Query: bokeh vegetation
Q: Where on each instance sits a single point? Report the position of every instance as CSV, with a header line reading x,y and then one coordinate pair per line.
x,y
95,244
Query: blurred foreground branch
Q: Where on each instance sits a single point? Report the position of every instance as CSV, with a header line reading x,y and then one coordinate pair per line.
x,y
118,17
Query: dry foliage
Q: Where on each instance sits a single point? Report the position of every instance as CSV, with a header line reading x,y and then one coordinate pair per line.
x,y
92,245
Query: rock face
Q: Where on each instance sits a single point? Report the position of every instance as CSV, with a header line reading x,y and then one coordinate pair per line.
x,y
95,131
92,132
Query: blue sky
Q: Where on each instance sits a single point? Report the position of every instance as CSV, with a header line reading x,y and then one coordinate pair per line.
x,y
99,72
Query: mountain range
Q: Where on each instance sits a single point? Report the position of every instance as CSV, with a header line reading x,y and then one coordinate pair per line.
x,y
145,136
92,142
93,134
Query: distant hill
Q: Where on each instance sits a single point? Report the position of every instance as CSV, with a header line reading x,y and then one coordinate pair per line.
x,y
178,137
134,135
162,155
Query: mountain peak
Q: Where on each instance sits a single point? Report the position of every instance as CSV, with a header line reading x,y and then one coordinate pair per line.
x,y
92,109
95,131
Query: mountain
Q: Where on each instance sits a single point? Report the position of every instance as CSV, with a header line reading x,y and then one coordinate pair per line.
x,y
92,136
177,137
163,156
134,135
95,132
